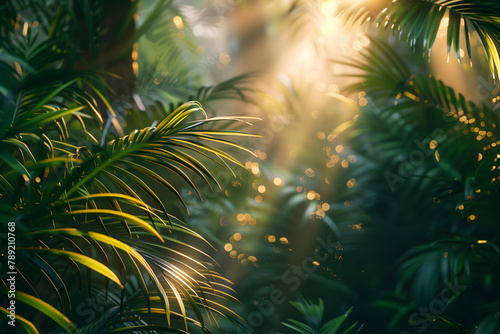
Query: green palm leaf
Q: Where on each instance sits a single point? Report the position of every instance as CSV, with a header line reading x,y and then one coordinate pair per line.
x,y
85,260
418,22
313,314
47,309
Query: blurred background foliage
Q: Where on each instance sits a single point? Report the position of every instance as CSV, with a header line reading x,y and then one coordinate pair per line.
x,y
373,184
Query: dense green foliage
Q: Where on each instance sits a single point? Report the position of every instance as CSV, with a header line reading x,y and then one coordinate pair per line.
x,y
427,175
97,248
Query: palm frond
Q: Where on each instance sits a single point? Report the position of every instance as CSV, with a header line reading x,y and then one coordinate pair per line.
x,y
93,213
75,200
418,23
429,209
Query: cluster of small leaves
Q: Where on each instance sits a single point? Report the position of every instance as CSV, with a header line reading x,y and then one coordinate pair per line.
x,y
313,316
